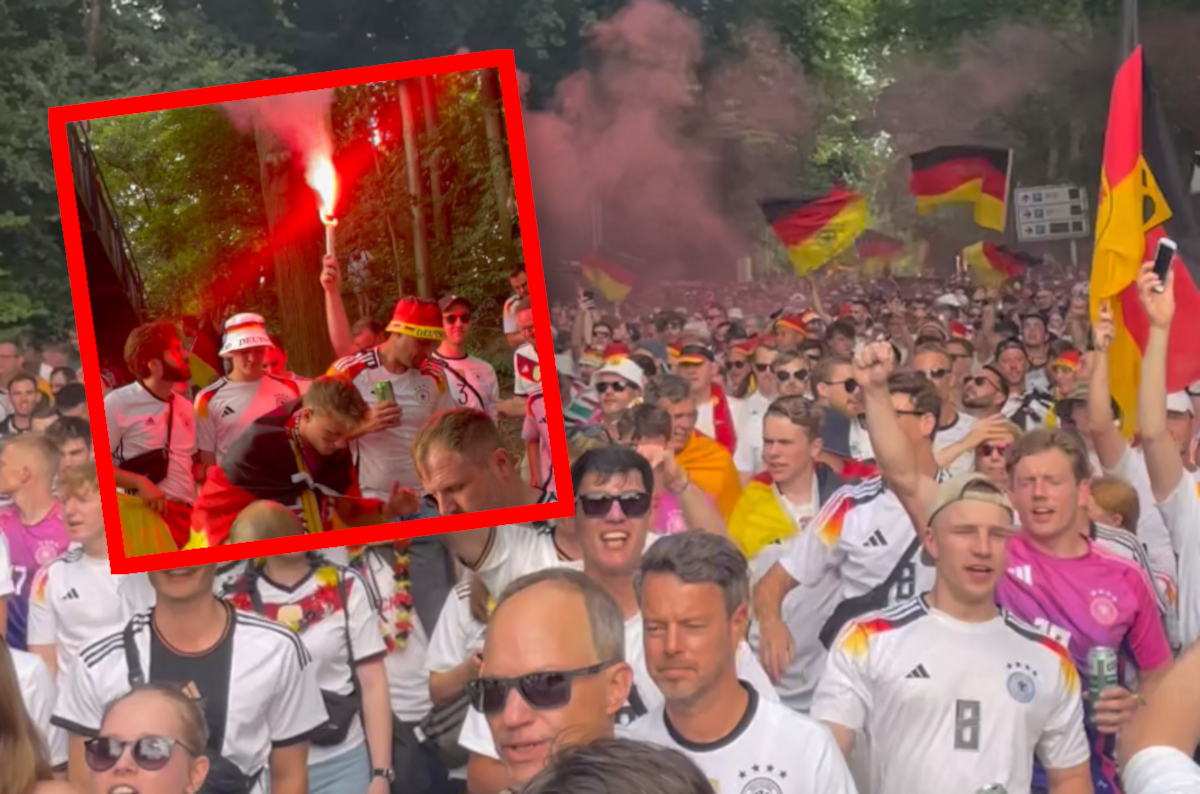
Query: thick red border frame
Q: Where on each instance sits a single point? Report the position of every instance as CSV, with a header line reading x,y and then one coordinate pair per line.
x,y
504,62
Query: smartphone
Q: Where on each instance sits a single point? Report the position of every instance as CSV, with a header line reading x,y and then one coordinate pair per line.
x,y
590,296
1163,256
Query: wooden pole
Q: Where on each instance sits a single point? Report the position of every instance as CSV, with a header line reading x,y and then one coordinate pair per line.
x,y
415,190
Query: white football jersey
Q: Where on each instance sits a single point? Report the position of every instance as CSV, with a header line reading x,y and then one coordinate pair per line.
x,y
472,382
748,419
39,692
948,706
385,456
137,423
77,599
949,436
270,691
226,408
1181,512
772,749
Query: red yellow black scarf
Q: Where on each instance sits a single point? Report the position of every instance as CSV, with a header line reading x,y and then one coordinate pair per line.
x,y
724,431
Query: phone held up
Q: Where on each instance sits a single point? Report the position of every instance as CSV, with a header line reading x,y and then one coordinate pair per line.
x,y
1164,254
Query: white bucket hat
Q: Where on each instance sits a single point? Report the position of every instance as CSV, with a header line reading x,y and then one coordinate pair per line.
x,y
243,332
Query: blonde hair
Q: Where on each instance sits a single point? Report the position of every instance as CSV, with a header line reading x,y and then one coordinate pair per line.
x,y
42,451
26,762
470,433
337,397
1115,495
79,481
264,521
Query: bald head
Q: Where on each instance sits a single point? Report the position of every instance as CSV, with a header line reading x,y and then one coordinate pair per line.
x,y
264,521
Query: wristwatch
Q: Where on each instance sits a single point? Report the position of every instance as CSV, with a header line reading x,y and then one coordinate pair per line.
x,y
387,774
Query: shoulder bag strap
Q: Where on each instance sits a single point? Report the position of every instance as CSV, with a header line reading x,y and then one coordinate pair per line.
x,y
875,598
133,662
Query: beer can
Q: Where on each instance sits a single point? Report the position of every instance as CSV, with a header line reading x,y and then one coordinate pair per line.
x,y
995,788
1102,671
384,393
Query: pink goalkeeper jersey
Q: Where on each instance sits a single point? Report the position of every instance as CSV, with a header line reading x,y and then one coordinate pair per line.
x,y
1098,599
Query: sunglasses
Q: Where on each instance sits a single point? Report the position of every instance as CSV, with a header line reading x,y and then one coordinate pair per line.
x,y
933,374
738,364
761,367
979,380
150,753
616,386
633,505
457,318
540,690
987,449
850,384
783,375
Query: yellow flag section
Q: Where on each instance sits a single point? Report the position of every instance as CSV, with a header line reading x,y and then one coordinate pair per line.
x,y
759,520
202,374
613,282
814,230
976,175
711,468
144,530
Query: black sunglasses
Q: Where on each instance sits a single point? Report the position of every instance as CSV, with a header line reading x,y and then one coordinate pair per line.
x,y
933,374
458,317
738,364
633,505
980,380
616,386
783,375
761,367
850,384
150,753
540,690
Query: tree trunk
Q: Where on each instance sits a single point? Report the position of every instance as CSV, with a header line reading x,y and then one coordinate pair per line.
x,y
490,90
397,270
412,159
298,248
435,165
94,9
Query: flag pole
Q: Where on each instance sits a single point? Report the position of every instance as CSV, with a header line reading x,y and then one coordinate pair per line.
x,y
1007,190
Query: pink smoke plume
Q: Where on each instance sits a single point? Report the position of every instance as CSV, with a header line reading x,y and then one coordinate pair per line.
x,y
301,120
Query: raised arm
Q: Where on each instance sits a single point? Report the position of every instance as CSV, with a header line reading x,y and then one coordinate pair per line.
x,y
335,310
1110,444
1162,456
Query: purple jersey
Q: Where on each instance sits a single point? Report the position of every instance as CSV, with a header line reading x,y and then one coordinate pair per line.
x,y
31,548
1098,599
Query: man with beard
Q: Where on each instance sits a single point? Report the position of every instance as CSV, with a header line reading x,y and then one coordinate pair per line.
x,y
23,395
253,675
932,362
714,409
1028,404
152,428
693,590
227,408
614,489
419,390
709,464
472,380
297,456
985,393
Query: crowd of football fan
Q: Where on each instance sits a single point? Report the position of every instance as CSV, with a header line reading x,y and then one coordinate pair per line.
x,y
866,541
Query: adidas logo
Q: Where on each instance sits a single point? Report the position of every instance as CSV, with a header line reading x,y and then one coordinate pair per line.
x,y
72,595
918,672
876,540
191,691
1023,573
228,411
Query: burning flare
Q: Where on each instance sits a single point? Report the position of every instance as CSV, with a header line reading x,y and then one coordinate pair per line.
x,y
322,178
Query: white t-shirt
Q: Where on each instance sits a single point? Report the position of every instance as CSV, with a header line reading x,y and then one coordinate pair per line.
x,y
6,573
861,534
456,636
949,706
949,436
472,382
1151,528
384,456
523,386
537,429
645,695
772,749
748,419
407,670
509,315
272,693
39,693
76,599
226,408
1181,512
326,638
137,423
861,447
1161,770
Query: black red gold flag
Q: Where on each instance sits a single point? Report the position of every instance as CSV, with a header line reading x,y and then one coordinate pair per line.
x,y
818,228
963,175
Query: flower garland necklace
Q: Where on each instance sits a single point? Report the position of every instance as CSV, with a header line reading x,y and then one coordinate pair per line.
x,y
401,602
308,611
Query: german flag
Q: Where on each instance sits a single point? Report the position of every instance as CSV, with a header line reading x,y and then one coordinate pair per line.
x,y
963,175
613,282
993,264
875,246
815,230
1143,198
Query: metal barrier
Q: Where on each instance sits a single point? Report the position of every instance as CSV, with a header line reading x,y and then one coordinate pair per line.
x,y
102,219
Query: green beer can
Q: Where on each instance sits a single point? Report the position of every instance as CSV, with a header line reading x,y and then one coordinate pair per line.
x,y
384,393
1102,671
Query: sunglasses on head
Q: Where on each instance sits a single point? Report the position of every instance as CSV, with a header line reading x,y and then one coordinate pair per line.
x,y
933,374
988,449
616,386
458,317
850,384
150,753
633,505
540,690
783,375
